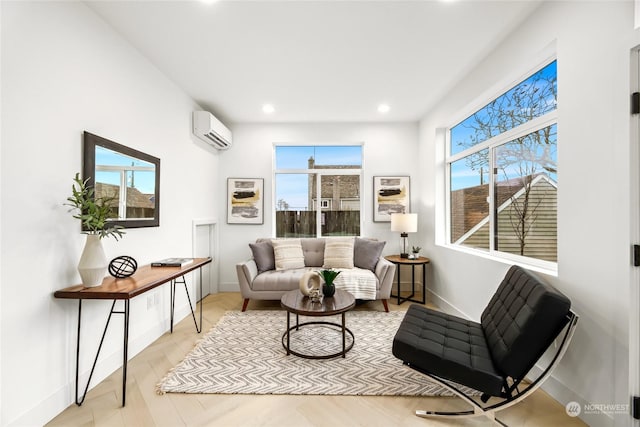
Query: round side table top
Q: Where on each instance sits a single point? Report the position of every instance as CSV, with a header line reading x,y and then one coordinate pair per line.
x,y
396,259
295,302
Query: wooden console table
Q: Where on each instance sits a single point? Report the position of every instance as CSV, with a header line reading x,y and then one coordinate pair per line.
x,y
145,279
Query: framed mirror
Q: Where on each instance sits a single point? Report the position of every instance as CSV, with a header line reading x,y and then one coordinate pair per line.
x,y
129,176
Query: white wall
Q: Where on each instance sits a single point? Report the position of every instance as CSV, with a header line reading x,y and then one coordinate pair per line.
x,y
389,149
593,41
65,71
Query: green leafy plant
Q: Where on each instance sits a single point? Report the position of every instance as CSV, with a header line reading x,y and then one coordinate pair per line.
x,y
92,211
415,249
328,275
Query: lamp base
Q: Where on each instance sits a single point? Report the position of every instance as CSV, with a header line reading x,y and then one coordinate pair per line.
x,y
404,255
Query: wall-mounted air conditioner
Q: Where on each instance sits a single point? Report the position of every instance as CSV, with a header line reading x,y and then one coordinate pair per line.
x,y
211,130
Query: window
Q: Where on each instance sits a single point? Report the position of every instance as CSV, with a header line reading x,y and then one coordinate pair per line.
x,y
128,180
317,190
502,173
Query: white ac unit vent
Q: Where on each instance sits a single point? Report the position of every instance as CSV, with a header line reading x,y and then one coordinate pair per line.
x,y
211,130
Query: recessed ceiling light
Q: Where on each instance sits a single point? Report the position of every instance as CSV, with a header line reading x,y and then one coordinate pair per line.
x,y
208,1
268,109
383,108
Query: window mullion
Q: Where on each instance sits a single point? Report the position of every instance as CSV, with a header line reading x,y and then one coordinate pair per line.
x,y
491,201
319,204
524,129
122,202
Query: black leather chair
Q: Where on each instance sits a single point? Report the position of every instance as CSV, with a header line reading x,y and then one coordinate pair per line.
x,y
521,321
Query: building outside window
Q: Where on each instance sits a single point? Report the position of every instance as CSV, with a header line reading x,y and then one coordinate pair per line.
x,y
310,176
503,173
130,182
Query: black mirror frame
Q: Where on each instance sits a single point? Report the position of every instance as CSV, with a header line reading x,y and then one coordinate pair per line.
x,y
89,166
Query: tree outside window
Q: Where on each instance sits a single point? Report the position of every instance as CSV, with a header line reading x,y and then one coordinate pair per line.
x,y
503,172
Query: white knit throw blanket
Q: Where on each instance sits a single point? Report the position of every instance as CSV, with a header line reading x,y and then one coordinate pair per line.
x,y
359,282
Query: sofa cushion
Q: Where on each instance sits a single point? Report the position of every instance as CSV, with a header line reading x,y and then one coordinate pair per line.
x,y
521,321
263,255
366,253
313,250
288,254
338,253
450,346
279,280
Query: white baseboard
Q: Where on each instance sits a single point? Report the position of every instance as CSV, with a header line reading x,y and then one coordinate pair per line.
x,y
44,411
564,395
229,287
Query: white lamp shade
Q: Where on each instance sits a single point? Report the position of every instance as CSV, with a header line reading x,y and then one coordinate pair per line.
x,y
404,223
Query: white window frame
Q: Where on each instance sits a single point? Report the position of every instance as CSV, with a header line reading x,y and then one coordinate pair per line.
x,y
319,173
122,172
491,144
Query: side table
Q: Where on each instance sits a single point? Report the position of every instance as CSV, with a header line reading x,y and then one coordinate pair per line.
x,y
423,261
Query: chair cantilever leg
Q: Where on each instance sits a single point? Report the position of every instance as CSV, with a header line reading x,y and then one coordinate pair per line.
x,y
490,410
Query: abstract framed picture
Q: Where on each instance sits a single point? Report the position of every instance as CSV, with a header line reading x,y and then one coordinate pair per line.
x,y
245,201
391,194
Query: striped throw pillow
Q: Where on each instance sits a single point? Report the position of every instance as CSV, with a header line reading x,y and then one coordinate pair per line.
x,y
338,252
288,253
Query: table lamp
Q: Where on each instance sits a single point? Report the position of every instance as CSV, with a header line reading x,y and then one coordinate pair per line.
x,y
404,223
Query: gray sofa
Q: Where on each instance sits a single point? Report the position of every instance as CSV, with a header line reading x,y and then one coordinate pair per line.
x,y
260,279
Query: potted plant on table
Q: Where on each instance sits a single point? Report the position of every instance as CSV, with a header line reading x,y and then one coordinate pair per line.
x,y
415,252
328,276
93,212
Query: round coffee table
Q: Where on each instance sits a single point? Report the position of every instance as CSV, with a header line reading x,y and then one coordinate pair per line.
x,y
295,302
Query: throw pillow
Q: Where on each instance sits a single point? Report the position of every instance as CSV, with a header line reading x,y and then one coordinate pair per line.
x,y
263,255
288,254
366,253
338,253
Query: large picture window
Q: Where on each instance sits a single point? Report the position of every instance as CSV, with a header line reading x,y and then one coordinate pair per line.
x,y
317,190
503,172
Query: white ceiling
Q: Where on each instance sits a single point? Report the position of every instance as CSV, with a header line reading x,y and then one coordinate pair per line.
x,y
315,61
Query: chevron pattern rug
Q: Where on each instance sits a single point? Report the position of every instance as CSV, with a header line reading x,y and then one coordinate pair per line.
x,y
243,354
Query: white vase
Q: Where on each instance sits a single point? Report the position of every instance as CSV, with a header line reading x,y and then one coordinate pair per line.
x,y
93,262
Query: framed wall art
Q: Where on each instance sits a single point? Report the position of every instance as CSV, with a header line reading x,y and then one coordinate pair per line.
x,y
245,201
391,194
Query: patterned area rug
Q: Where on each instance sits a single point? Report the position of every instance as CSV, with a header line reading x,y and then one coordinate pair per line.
x,y
243,354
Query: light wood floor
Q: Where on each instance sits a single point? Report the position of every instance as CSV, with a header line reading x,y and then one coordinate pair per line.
x,y
146,408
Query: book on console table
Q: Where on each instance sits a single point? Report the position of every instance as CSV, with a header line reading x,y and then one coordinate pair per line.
x,y
172,262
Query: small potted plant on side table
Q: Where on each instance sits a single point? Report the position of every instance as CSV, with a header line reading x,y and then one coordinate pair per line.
x,y
415,252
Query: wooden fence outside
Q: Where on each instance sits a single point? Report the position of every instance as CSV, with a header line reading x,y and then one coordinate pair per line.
x,y
303,223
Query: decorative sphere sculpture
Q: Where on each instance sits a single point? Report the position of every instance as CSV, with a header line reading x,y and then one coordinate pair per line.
x,y
123,266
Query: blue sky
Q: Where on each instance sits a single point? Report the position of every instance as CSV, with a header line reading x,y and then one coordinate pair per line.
x,y
462,132
294,188
296,157
462,176
144,181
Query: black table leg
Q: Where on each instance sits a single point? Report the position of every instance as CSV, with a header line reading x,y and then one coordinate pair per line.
x,y
413,280
125,351
288,329
344,338
80,400
399,302
173,301
424,284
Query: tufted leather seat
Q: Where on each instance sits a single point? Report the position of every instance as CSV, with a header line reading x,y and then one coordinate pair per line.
x,y
520,322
